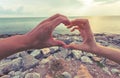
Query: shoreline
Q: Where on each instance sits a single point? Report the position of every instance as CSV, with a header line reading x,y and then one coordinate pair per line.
x,y
95,34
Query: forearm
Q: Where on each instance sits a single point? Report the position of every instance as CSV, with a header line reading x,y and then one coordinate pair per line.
x,y
110,53
11,45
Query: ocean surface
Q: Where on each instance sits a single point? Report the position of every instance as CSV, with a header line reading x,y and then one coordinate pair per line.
x,y
103,24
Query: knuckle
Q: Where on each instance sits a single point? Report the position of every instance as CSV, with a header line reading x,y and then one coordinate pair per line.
x,y
58,14
86,20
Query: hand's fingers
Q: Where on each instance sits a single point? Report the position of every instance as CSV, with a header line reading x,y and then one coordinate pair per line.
x,y
58,21
79,22
75,28
70,26
51,18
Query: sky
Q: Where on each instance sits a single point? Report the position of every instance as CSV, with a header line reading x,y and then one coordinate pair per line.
x,y
42,8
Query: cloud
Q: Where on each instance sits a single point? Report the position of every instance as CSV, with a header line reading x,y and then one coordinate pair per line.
x,y
18,10
106,1
67,7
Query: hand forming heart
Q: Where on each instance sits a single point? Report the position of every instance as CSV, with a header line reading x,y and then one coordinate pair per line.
x,y
41,36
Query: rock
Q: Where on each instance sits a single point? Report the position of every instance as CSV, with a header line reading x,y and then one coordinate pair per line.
x,y
110,63
86,59
12,73
48,76
14,56
5,61
97,59
115,71
106,70
29,61
45,50
35,53
68,41
119,75
17,76
32,75
66,75
24,73
18,73
22,54
44,61
77,54
10,66
6,76
89,54
55,48
63,52
83,72
104,43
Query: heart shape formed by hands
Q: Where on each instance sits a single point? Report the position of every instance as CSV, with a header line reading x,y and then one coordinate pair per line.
x,y
41,36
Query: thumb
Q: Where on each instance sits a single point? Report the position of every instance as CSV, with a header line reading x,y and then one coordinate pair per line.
x,y
58,43
75,46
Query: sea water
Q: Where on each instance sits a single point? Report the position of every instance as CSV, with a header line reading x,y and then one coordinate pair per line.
x,y
102,24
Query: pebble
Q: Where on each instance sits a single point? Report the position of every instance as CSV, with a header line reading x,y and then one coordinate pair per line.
x,y
44,61
86,59
45,50
29,61
35,53
97,59
105,69
32,75
5,76
115,71
89,54
66,75
12,73
17,76
77,53
10,66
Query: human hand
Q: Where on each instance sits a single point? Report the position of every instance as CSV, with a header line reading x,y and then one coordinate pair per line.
x,y
83,26
41,36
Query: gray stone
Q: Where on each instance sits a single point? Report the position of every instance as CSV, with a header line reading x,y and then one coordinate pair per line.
x,y
12,73
32,75
10,66
90,55
14,56
29,61
23,54
35,53
5,61
63,53
18,73
6,76
118,74
45,50
24,73
67,75
77,53
17,76
104,43
55,48
106,70
44,61
86,59
115,71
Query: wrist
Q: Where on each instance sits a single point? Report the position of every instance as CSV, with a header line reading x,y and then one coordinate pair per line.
x,y
25,42
97,49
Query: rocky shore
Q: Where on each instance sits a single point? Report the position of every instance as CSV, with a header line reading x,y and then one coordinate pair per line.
x,y
57,62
